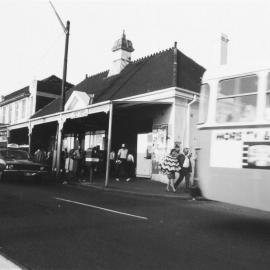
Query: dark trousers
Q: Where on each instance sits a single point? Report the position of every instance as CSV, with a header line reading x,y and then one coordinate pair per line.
x,y
112,167
184,173
130,169
121,169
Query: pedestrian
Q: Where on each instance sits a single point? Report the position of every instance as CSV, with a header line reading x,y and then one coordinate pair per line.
x,y
83,164
49,160
69,164
170,166
63,156
130,167
121,162
40,156
76,158
79,157
96,154
178,150
112,157
67,160
186,168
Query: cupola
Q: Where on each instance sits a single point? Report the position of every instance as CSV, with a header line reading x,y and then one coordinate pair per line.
x,y
122,50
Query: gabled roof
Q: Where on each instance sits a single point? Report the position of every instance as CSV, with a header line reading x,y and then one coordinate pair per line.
x,y
52,85
151,73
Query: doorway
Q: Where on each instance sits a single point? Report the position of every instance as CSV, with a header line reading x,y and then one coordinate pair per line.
x,y
144,161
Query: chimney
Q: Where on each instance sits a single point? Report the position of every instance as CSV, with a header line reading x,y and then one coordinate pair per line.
x,y
122,50
223,49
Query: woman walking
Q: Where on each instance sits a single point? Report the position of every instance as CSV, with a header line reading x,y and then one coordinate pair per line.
x,y
169,166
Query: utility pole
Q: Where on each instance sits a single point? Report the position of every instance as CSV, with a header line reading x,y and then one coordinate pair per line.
x,y
63,90
66,31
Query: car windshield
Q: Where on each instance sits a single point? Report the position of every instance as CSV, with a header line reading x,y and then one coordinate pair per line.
x,y
13,154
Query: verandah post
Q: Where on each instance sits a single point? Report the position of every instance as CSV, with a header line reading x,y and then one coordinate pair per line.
x,y
109,144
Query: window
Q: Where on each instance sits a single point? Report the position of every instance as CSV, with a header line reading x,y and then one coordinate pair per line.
x,y
267,104
16,111
4,114
204,103
10,113
23,108
237,99
95,138
68,142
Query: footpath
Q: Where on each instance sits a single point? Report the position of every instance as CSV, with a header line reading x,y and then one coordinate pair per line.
x,y
137,186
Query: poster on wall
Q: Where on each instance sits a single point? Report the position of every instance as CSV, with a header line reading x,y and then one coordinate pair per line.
x,y
242,148
256,155
159,146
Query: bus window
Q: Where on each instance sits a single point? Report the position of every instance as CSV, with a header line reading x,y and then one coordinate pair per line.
x,y
237,99
267,104
204,103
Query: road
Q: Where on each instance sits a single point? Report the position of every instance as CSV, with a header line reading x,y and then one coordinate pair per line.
x,y
49,226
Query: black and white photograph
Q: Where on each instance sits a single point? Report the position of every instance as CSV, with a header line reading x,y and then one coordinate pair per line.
x,y
134,135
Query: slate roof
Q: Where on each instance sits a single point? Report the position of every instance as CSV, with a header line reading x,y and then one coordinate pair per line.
x,y
23,91
151,73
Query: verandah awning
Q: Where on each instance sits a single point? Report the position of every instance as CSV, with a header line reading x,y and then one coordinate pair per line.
x,y
83,112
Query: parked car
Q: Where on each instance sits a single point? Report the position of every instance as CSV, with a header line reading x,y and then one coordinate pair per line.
x,y
17,163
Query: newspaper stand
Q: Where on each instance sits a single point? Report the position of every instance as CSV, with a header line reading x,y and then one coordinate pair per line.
x,y
90,160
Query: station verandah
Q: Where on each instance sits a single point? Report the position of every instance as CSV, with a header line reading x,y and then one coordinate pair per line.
x,y
129,119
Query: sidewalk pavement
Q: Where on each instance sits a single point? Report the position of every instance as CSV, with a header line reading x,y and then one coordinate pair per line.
x,y
138,186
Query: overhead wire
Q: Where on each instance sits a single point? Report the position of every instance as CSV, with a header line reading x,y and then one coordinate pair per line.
x,y
36,67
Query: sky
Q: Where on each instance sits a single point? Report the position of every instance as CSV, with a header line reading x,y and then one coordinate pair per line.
x,y
32,40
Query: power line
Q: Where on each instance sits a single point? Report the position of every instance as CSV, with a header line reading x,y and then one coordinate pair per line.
x,y
40,61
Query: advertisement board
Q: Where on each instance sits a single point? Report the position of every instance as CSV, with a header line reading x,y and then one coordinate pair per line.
x,y
159,146
241,148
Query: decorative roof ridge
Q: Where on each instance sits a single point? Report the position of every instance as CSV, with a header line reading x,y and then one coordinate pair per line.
x,y
114,75
98,74
50,79
152,55
51,76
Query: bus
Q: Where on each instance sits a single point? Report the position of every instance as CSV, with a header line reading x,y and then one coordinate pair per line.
x,y
234,137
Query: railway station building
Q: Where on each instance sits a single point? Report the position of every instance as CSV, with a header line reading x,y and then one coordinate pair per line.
x,y
150,104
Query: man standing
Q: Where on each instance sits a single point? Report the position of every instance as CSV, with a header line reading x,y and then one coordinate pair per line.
x,y
121,162
186,168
